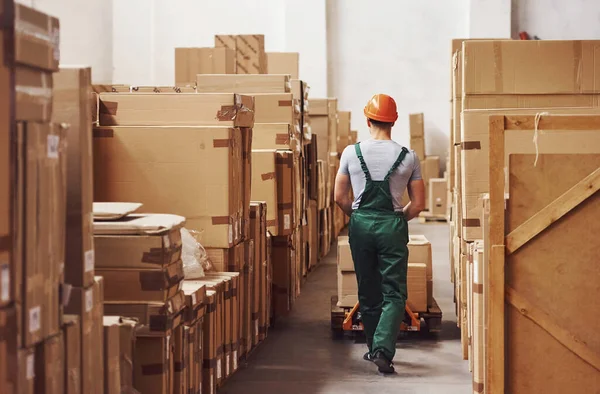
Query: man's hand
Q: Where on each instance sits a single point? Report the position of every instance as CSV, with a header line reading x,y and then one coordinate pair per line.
x,y
416,192
341,193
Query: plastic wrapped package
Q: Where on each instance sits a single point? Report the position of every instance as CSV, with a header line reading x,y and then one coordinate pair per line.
x,y
193,254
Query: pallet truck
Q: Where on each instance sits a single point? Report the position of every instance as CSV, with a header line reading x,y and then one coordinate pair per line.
x,y
347,319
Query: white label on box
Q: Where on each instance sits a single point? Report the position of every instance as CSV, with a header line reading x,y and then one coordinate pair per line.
x,y
227,360
212,384
53,142
194,298
475,272
218,369
168,350
89,260
256,328
230,234
30,368
5,280
236,228
89,300
235,360
166,241
287,222
35,319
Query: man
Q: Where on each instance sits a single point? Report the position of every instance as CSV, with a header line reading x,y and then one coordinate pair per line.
x,y
379,171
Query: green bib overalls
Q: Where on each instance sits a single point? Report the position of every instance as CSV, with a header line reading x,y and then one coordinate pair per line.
x,y
378,239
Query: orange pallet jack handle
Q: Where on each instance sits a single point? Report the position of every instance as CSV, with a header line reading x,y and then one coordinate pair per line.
x,y
415,322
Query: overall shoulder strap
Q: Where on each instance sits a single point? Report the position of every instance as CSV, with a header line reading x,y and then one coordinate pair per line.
x,y
401,157
363,165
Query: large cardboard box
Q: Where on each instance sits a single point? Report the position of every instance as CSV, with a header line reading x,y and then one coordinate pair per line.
x,y
9,365
321,185
50,366
176,109
87,304
276,108
419,252
36,39
417,287
260,304
283,257
26,371
243,83
190,62
284,63
332,105
247,138
344,255
40,226
71,104
250,52
33,94
112,371
347,288
153,363
417,134
430,168
320,128
344,119
209,343
180,360
72,341
286,191
194,172
275,136
438,198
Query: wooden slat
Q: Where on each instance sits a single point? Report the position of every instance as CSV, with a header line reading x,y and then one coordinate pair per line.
x,y
495,314
553,211
545,321
496,135
553,122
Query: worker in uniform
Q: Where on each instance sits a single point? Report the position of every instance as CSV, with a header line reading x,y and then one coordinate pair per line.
x,y
379,171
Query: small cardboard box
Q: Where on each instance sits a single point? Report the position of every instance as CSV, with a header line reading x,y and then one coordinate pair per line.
x,y
417,287
112,371
284,63
50,366
344,255
243,83
190,62
153,363
347,288
71,104
176,109
126,346
438,196
72,340
419,252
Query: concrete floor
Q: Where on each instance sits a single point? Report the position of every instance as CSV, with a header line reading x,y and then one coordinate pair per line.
x,y
300,357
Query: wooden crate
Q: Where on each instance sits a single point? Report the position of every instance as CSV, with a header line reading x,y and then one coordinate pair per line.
x,y
544,276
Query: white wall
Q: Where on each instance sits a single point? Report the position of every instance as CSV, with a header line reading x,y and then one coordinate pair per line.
x,y
146,32
397,47
489,18
86,28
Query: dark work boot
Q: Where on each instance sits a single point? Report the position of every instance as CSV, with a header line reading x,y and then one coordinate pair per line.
x,y
368,356
384,365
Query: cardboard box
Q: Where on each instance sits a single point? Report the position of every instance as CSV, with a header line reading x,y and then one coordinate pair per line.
x,y
243,83
275,108
347,288
313,237
190,62
142,285
284,63
195,293
525,67
203,188
26,370
71,104
318,106
36,38
9,368
275,136
320,128
333,123
258,234
153,363
194,341
112,371
50,366
417,287
209,344
286,191
321,181
417,135
72,340
437,196
344,255
87,304
283,262
344,124
247,138
180,360
154,317
250,52
419,252
163,89
40,208
176,109
33,92
430,168
227,260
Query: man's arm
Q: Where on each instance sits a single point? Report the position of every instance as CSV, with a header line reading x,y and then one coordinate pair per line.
x,y
416,192
341,193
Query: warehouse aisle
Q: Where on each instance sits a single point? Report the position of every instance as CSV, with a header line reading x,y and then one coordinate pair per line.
x,y
300,357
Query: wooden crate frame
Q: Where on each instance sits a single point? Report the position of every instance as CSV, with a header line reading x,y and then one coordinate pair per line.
x,y
502,245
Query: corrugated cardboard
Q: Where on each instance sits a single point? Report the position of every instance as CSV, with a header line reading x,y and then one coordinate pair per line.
x,y
195,293
265,185
320,128
142,285
347,288
36,38
247,141
419,252
26,370
127,328
50,366
112,371
430,168
41,158
275,136
71,104
148,109
313,231
530,67
258,233
343,130
72,341
417,134
9,365
275,108
204,187
153,363
33,91
344,255
437,196
180,360
417,287
333,123
190,62
154,317
285,191
284,63
243,83
318,106
283,260
87,304
209,343
475,154
194,340
250,52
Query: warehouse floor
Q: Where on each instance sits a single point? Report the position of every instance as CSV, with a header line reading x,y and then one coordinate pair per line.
x,y
299,355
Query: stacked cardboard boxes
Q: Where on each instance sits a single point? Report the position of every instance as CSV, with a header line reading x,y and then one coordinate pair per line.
x,y
284,63
250,56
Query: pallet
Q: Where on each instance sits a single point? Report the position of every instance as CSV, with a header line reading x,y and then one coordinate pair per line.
x,y
426,216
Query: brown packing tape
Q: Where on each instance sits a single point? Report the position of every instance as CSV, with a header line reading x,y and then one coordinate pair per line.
x,y
211,308
221,220
477,288
225,41
179,366
478,387
5,242
469,145
155,255
223,143
210,363
285,103
285,205
471,223
219,350
272,223
104,133
154,369
227,113
267,176
239,65
108,107
282,139
158,280
287,160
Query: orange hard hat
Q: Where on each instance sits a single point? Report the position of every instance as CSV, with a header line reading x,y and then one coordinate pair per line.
x,y
382,108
